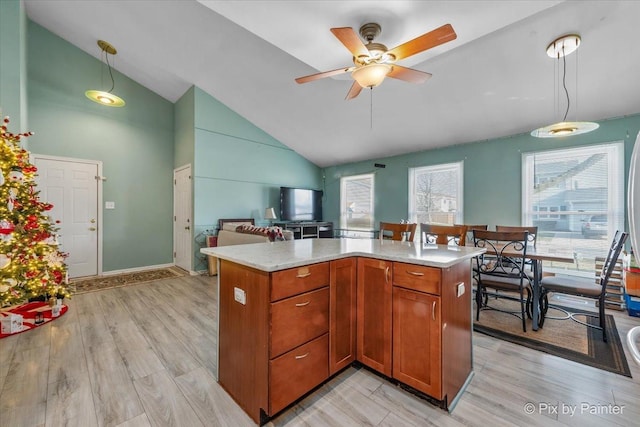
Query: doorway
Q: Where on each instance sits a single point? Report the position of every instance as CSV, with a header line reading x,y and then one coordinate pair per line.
x,y
74,188
182,217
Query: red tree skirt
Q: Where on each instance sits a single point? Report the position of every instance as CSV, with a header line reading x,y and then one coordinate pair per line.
x,y
28,312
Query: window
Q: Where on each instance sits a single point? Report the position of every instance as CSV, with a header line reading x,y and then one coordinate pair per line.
x,y
575,197
356,202
435,194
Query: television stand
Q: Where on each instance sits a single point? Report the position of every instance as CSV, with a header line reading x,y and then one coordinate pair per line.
x,y
308,229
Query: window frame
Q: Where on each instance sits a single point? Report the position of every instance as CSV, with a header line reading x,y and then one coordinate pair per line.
x,y
343,201
440,167
615,205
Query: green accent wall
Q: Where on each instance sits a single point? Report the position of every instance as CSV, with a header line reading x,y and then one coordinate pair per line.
x,y
492,173
184,125
13,71
135,143
238,169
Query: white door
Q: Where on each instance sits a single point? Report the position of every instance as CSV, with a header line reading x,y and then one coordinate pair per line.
x,y
182,217
72,185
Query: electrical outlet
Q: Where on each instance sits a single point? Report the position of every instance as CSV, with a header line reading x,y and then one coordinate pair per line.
x,y
240,296
460,289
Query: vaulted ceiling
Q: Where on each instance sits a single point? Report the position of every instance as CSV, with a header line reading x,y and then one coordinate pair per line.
x,y
495,79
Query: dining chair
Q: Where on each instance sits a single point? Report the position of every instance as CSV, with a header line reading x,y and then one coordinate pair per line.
x,y
470,228
443,234
532,230
584,287
395,231
502,268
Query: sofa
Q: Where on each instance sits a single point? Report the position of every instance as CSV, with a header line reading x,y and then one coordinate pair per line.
x,y
242,231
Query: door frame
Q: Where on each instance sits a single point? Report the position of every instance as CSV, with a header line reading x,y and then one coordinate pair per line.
x,y
99,178
175,229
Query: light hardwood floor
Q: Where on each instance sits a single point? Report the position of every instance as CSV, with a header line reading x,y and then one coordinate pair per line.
x,y
144,356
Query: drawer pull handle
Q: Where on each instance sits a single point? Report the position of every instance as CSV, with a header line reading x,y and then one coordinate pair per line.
x,y
433,310
415,273
303,356
302,276
386,274
302,304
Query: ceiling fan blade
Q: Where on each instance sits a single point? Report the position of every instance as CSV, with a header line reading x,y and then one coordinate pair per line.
x,y
354,91
324,74
408,74
426,41
351,41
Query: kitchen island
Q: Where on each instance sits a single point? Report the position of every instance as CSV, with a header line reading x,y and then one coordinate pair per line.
x,y
292,314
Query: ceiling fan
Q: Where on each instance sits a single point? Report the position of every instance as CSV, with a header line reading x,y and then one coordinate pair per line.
x,y
373,61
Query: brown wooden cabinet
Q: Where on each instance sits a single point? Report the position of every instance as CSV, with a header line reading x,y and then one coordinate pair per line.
x,y
416,340
432,328
273,335
374,310
342,319
285,332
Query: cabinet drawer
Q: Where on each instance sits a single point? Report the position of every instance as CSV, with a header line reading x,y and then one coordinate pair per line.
x,y
296,372
417,277
295,281
298,319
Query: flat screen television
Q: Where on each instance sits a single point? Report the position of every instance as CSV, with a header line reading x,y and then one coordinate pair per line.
x,y
299,204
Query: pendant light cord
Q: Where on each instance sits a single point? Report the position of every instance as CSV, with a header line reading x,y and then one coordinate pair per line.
x,y
113,84
564,83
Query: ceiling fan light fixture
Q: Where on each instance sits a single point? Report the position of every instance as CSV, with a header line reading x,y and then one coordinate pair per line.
x,y
560,129
371,75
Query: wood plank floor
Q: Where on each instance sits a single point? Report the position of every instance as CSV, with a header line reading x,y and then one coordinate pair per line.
x,y
143,355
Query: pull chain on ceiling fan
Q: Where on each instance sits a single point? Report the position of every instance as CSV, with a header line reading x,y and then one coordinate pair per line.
x,y
373,62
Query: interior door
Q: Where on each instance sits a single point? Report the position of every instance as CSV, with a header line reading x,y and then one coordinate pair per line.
x,y
182,217
72,185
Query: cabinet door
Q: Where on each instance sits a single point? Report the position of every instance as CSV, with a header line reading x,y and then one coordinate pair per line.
x,y
374,314
416,341
342,317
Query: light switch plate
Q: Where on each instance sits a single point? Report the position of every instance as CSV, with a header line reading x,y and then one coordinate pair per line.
x,y
460,289
240,296
109,205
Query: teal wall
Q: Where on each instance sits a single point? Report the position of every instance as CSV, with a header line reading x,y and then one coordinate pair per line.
x,y
13,71
184,125
135,144
492,173
238,168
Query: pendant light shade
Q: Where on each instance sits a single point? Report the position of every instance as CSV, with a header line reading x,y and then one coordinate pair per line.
x,y
101,97
559,49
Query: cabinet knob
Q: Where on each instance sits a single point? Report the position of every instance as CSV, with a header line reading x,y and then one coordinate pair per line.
x,y
92,229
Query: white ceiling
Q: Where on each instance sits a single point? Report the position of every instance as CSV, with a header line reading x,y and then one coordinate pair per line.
x,y
494,80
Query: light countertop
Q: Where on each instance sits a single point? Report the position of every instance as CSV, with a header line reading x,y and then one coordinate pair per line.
x,y
295,253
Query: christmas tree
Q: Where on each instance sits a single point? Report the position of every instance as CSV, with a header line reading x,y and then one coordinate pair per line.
x,y
31,266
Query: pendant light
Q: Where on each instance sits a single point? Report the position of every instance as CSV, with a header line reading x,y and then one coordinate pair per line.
x,y
559,49
99,96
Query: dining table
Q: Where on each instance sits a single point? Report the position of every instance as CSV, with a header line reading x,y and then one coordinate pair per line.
x,y
536,255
